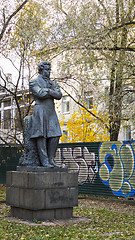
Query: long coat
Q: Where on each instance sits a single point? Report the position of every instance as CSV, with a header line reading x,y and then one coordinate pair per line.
x,y
44,119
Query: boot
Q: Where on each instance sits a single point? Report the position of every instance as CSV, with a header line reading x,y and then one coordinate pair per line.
x,y
53,164
52,144
46,164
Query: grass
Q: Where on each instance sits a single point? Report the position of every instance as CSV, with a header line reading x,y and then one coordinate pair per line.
x,y
2,192
103,223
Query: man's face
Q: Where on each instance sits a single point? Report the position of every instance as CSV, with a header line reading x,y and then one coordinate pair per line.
x,y
46,71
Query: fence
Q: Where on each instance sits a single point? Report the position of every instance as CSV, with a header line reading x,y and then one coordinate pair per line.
x,y
104,168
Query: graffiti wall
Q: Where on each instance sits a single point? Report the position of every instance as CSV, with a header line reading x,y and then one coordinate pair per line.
x,y
117,167
104,168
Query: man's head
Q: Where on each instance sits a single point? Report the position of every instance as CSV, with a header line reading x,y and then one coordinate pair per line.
x,y
44,68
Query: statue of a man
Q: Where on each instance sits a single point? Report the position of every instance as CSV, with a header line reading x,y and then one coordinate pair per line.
x,y
45,126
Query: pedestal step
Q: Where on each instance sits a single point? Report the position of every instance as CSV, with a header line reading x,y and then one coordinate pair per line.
x,y
42,215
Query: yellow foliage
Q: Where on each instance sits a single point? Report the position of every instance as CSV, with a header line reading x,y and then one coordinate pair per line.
x,y
83,127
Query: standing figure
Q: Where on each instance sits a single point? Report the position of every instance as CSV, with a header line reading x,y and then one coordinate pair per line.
x,y
45,125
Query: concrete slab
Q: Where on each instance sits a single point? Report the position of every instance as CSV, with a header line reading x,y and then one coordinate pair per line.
x,y
41,169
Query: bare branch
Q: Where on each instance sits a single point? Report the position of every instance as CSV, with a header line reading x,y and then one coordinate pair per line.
x,y
28,109
3,140
6,22
129,90
10,61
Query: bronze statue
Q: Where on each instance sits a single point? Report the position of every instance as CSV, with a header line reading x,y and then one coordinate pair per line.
x,y
44,129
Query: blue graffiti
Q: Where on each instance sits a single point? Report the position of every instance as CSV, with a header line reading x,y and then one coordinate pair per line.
x,y
120,175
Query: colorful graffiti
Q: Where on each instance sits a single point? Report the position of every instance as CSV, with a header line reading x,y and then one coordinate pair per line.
x,y
106,168
79,159
117,168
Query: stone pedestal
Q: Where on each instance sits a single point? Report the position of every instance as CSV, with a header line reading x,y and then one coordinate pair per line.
x,y
42,195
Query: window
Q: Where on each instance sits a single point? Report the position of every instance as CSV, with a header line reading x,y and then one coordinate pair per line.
x,y
20,100
65,134
106,90
7,119
65,104
88,98
127,133
18,120
9,81
9,77
7,103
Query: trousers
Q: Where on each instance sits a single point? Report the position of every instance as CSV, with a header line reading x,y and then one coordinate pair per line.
x,y
47,149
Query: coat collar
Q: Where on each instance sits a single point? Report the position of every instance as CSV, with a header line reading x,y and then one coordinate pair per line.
x,y
44,82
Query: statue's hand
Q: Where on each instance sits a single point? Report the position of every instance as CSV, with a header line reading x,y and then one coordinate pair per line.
x,y
55,94
45,89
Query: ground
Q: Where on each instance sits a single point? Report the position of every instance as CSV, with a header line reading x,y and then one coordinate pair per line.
x,y
95,218
110,204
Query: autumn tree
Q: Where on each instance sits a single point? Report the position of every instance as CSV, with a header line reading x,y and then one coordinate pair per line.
x,y
95,40
82,127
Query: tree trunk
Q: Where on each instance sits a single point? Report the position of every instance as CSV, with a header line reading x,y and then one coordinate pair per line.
x,y
116,84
